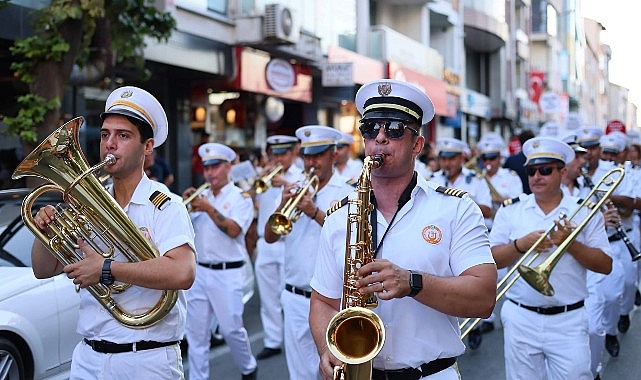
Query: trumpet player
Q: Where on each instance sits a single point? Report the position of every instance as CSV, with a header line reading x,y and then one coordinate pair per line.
x,y
547,336
270,259
221,218
318,147
432,255
133,123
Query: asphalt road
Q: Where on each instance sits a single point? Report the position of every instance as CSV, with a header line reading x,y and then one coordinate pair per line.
x,y
485,363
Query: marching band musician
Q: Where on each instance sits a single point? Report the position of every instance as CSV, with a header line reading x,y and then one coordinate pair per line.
x,y
134,123
431,266
613,287
221,217
345,164
547,336
318,149
270,263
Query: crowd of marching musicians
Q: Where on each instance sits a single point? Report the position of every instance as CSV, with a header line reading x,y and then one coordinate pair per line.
x,y
366,269
530,203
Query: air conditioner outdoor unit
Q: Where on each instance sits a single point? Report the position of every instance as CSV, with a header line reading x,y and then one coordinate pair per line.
x,y
280,25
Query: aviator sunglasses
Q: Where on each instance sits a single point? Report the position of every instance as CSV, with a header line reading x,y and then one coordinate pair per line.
x,y
543,170
393,129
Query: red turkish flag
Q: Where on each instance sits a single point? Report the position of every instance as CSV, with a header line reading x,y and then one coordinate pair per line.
x,y
536,85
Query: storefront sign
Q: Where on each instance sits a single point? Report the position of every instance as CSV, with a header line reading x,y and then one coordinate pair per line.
x,y
280,75
338,74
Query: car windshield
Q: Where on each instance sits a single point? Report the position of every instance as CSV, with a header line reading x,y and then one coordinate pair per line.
x,y
15,239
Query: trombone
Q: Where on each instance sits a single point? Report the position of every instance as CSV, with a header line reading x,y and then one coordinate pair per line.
x,y
281,222
263,183
538,277
192,196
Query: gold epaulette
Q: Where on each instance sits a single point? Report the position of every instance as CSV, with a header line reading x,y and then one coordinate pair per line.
x,y
159,199
510,201
337,205
451,191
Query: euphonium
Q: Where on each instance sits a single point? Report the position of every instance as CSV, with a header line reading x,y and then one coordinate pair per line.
x,y
263,183
281,222
91,214
356,334
192,196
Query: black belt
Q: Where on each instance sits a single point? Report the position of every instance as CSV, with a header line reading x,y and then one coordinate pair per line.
x,y
551,310
225,265
106,347
295,290
426,369
617,236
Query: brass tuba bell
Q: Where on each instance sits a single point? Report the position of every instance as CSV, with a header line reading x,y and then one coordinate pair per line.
x,y
91,214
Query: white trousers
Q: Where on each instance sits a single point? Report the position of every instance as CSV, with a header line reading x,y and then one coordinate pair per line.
x,y
612,287
269,269
164,363
300,349
218,292
552,347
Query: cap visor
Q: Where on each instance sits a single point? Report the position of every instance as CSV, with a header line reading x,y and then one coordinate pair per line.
x,y
587,144
388,115
123,112
215,161
610,150
449,154
278,150
541,160
317,149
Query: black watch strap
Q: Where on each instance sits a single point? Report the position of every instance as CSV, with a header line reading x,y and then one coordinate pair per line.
x,y
416,283
106,278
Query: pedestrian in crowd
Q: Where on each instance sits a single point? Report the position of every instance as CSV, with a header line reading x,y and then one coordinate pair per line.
x,y
270,260
516,161
318,149
546,336
221,217
160,170
134,123
345,164
429,268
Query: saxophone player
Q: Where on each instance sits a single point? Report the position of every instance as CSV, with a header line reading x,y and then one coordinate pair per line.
x,y
133,123
432,258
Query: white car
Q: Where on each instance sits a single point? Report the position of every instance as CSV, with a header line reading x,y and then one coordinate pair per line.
x,y
37,317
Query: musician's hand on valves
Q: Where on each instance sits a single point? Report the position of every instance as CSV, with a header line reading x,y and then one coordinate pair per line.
x,y
44,216
188,191
200,203
385,278
563,228
85,272
528,241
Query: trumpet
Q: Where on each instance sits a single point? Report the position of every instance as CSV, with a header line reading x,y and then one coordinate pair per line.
x,y
192,196
620,230
538,277
281,222
263,183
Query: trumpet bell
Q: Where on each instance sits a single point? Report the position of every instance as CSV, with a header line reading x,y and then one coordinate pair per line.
x,y
280,224
355,335
537,278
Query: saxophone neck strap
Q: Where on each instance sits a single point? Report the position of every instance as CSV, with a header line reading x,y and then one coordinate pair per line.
x,y
402,200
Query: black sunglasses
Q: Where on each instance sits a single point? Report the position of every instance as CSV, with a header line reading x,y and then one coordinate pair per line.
x,y
543,170
393,129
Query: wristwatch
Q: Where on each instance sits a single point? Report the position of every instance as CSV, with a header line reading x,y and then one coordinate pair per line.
x,y
416,283
106,278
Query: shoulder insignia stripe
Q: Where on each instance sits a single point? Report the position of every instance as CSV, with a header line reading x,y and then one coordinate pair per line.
x,y
510,201
159,199
352,182
451,191
337,205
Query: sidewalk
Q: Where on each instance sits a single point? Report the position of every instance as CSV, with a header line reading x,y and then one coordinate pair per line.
x,y
628,365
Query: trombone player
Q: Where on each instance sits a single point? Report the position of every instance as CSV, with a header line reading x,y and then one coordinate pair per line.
x,y
318,148
547,336
270,259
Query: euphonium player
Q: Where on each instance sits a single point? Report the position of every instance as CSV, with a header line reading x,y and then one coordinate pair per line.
x,y
134,123
318,147
546,337
433,261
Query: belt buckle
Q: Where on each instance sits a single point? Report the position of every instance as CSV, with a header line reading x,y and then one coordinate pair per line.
x,y
223,265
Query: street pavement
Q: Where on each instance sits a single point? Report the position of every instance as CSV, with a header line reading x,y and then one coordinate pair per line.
x,y
484,363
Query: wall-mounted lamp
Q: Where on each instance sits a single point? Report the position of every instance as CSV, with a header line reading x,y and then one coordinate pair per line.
x,y
199,114
230,116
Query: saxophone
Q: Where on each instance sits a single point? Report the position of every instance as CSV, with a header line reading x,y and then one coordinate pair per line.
x,y
355,335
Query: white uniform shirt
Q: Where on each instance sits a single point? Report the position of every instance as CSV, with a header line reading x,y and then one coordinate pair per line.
x,y
507,183
568,277
166,229
467,180
215,246
301,243
433,233
352,169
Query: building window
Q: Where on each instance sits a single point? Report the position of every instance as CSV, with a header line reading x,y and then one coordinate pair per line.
x,y
218,6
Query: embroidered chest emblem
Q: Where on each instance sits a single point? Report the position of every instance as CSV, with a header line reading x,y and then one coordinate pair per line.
x,y
432,234
145,232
